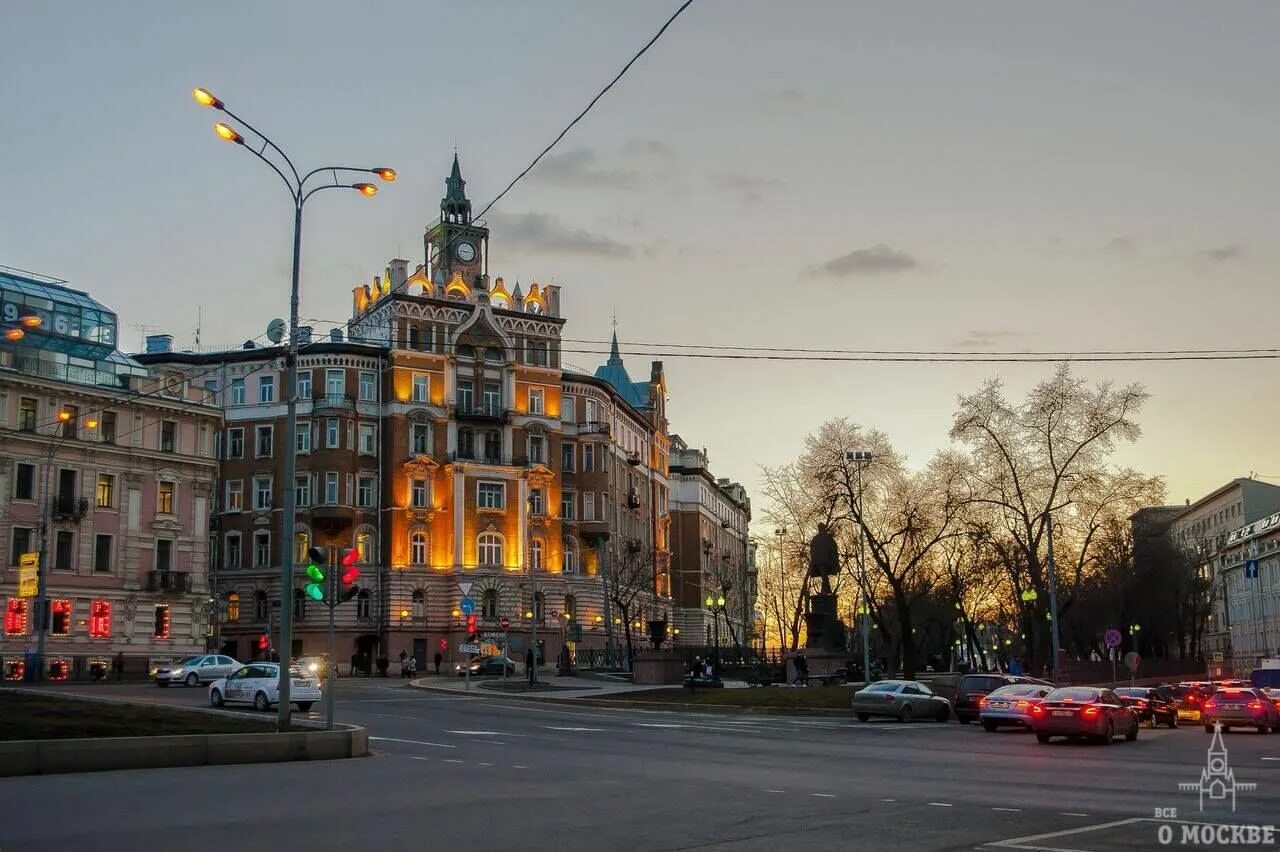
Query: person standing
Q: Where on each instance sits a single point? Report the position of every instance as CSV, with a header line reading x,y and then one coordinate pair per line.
x,y
802,668
404,666
528,664
439,660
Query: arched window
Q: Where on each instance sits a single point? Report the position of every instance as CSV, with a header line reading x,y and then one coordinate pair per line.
x,y
301,543
299,604
364,546
362,604
535,554
489,604
493,447
466,351
418,548
419,603
233,606
493,356
489,546
259,605
570,607
571,565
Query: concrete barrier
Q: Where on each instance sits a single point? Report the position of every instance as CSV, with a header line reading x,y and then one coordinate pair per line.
x,y
40,757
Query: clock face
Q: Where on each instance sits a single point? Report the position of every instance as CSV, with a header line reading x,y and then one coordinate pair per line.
x,y
465,252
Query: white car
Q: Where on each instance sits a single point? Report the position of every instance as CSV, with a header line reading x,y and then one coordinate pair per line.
x,y
193,671
258,684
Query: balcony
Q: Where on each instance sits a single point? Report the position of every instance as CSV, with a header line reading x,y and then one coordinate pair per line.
x,y
481,414
588,529
333,518
169,582
334,401
633,499
476,457
594,427
70,508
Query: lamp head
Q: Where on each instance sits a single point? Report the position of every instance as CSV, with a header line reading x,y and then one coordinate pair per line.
x,y
228,133
206,98
366,189
385,173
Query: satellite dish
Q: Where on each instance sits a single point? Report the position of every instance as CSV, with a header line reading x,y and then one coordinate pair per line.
x,y
275,330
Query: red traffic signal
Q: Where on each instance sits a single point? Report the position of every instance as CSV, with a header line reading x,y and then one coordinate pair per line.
x,y
444,644
505,622
264,642
350,573
471,623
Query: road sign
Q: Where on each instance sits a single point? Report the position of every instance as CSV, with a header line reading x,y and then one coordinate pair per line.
x,y
1131,660
505,622
28,575
467,606
1217,656
1251,569
466,588
575,632
1113,638
468,649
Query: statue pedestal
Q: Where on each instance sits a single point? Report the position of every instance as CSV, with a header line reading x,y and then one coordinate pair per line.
x,y
824,632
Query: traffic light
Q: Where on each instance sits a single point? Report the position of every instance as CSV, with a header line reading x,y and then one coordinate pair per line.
x,y
264,642
315,571
350,573
472,628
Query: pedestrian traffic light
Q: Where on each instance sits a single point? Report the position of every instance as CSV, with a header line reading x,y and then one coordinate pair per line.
x,y
472,629
315,571
444,644
264,642
350,573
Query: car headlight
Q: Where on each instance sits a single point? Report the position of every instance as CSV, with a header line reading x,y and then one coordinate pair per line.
x,y
175,671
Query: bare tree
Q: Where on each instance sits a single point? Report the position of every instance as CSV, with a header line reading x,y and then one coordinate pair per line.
x,y
631,579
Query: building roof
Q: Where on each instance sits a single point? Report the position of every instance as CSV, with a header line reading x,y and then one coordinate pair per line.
x,y
615,373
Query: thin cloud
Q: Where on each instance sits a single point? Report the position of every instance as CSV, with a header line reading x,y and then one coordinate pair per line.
x,y
876,260
748,188
1223,254
1119,245
985,339
578,167
781,98
542,233
649,148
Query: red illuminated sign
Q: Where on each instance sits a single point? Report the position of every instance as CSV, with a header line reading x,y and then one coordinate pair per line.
x,y
61,625
100,619
15,617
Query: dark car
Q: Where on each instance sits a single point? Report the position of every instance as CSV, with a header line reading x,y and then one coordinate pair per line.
x,y
486,666
1153,705
973,687
1084,711
1242,707
1189,698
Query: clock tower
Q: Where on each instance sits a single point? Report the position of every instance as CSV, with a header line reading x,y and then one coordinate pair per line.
x,y
455,244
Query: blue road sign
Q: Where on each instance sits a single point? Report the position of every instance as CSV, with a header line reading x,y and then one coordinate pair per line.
x,y
467,606
1251,569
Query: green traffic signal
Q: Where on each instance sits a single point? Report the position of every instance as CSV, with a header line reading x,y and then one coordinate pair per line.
x,y
315,570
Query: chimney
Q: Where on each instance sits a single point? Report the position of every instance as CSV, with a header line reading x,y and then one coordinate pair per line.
x,y
304,335
399,274
249,344
159,343
335,336
553,300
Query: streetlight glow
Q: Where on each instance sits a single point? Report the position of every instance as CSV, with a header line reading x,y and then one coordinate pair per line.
x,y
366,189
64,415
206,98
385,173
14,334
228,133
31,321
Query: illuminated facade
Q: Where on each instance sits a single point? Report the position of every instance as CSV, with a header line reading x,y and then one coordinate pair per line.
x,y
126,465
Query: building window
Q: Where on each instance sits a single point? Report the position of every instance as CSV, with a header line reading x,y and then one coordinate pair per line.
x,y
16,617
263,440
489,547
106,491
489,604
331,488
566,409
540,607
335,383
566,505
368,440
302,437
368,388
232,551
535,400
490,495
164,554
161,622
164,498
567,457
71,426
262,493
536,353
235,443
299,604
100,619
588,457
536,503
168,436
64,548
570,607
537,449
107,427
588,506
418,493
237,391
466,444
364,547
304,386
24,481
412,342
332,433
418,548
260,606
27,408
235,495
420,439
591,409
20,540
302,491
301,543
493,447
492,399
262,550
570,555
362,603
233,606
421,387
102,554
419,601
535,554
364,492
465,401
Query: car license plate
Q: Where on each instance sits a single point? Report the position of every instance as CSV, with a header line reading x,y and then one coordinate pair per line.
x,y
301,684
1063,713
1232,707
999,704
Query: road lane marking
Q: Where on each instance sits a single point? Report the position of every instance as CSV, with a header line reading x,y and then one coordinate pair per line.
x,y
518,766
1023,842
1271,758
415,757
479,733
1071,813
775,791
451,760
888,800
660,724
941,804
823,795
482,764
565,728
411,742
1010,810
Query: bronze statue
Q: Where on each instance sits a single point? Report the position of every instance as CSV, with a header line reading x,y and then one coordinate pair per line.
x,y
824,557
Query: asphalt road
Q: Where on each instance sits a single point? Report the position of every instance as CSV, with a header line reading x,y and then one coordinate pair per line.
x,y
481,772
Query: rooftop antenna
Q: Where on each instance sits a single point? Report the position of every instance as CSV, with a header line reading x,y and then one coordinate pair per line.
x,y
143,330
199,322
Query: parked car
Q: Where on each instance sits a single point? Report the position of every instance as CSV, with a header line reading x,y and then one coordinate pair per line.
x,y
317,666
1241,707
1153,705
193,671
486,666
903,700
1084,711
1189,698
259,684
1010,705
973,687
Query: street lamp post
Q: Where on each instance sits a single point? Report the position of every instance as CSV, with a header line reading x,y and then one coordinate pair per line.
x,y
1053,604
299,193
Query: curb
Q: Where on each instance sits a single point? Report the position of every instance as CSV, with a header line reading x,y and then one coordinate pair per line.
x,y
43,757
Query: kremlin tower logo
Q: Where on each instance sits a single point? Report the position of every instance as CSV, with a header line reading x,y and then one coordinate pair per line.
x,y
1217,780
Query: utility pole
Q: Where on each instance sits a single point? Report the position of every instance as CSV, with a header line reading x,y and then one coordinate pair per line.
x,y
1053,601
860,459
332,600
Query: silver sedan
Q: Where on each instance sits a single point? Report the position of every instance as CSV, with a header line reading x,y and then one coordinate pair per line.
x,y
903,700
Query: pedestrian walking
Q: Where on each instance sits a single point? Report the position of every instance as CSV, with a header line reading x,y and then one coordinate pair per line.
x,y
439,660
404,667
411,667
802,668
118,665
528,664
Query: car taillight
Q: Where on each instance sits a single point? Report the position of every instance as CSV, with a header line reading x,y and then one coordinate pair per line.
x,y
1037,710
1023,705
1141,702
888,698
983,702
1090,712
1192,699
1255,705
1209,705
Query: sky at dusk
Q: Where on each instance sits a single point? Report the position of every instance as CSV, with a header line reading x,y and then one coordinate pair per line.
x,y
914,175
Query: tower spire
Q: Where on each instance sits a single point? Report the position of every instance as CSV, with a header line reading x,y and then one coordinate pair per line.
x,y
615,357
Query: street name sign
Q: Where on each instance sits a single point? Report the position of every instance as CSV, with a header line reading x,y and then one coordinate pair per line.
x,y
468,649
